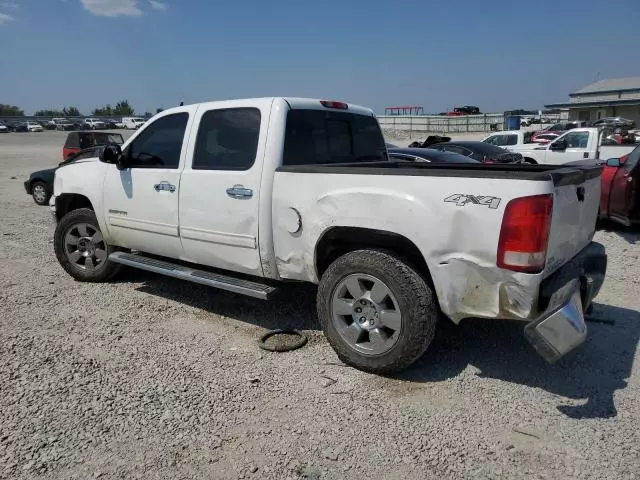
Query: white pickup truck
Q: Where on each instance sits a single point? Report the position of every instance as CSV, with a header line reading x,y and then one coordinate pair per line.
x,y
241,195
573,145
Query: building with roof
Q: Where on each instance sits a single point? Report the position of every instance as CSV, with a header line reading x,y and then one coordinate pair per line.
x,y
615,97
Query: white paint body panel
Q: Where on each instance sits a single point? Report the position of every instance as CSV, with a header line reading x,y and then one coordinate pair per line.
x,y
275,232
544,154
216,229
138,216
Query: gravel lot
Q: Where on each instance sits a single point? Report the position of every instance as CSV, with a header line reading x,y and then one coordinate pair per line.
x,y
152,378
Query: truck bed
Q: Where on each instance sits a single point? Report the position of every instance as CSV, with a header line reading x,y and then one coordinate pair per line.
x,y
452,213
560,174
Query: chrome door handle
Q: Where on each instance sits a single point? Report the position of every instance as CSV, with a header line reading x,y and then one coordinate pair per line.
x,y
164,187
240,192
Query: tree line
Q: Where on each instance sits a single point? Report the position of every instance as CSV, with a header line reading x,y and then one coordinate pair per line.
x,y
122,108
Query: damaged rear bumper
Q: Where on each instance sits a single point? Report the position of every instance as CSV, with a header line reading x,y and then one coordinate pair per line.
x,y
564,297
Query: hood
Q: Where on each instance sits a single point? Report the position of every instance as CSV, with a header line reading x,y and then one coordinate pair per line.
x,y
43,173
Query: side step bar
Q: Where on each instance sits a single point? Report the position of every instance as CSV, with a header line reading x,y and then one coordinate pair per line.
x,y
216,280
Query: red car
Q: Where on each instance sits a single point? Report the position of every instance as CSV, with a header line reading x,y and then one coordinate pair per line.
x,y
558,129
619,193
620,196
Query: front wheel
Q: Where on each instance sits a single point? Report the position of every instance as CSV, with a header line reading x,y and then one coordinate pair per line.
x,y
40,193
81,249
377,312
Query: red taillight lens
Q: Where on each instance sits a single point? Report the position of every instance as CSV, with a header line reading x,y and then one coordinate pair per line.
x,y
332,104
525,234
623,159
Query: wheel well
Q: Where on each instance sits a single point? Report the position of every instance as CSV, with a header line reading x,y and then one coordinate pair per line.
x,y
530,160
71,201
340,240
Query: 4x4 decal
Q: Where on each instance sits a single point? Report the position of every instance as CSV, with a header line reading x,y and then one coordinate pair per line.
x,y
461,199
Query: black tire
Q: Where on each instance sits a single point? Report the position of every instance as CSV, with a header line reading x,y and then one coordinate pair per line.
x,y
36,192
417,304
103,271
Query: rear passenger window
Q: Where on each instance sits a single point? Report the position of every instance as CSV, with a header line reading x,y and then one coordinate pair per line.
x,y
227,139
321,137
511,140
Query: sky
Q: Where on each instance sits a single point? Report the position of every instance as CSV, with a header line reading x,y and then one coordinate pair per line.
x,y
496,54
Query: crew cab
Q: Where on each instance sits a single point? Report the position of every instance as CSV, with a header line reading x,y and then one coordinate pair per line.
x,y
576,144
242,195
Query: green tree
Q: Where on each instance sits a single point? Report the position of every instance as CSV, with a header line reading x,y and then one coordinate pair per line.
x,y
158,110
49,113
148,114
71,112
10,111
103,111
123,108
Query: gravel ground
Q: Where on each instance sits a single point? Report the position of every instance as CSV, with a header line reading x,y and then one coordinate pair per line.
x,y
151,378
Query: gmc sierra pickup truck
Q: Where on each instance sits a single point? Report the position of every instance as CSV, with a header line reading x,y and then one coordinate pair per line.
x,y
241,195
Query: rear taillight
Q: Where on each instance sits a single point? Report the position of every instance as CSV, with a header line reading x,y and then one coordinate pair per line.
x,y
525,234
332,104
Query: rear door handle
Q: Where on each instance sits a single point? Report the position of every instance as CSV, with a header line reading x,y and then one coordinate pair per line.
x,y
239,192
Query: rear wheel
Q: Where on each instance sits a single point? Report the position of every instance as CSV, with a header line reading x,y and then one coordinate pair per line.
x,y
81,249
378,314
530,161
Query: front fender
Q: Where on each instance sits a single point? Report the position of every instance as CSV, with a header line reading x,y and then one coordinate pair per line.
x,y
84,178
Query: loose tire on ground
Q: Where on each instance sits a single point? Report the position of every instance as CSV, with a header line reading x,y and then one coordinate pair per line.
x,y
393,287
81,249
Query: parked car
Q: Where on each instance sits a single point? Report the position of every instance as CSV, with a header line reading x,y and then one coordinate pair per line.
x,y
3,128
34,127
574,145
544,138
616,122
116,124
20,127
479,151
40,184
78,141
94,124
113,124
381,238
64,125
517,140
427,155
620,187
560,128
133,123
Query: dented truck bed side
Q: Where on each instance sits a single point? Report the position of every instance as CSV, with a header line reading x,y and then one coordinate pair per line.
x,y
452,215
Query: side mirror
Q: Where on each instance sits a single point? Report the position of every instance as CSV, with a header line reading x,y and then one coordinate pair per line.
x,y
112,153
613,162
558,145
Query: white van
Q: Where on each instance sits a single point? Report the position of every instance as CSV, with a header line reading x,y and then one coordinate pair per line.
x,y
133,123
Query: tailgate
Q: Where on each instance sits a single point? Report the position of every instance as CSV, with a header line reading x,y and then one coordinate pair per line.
x,y
575,211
